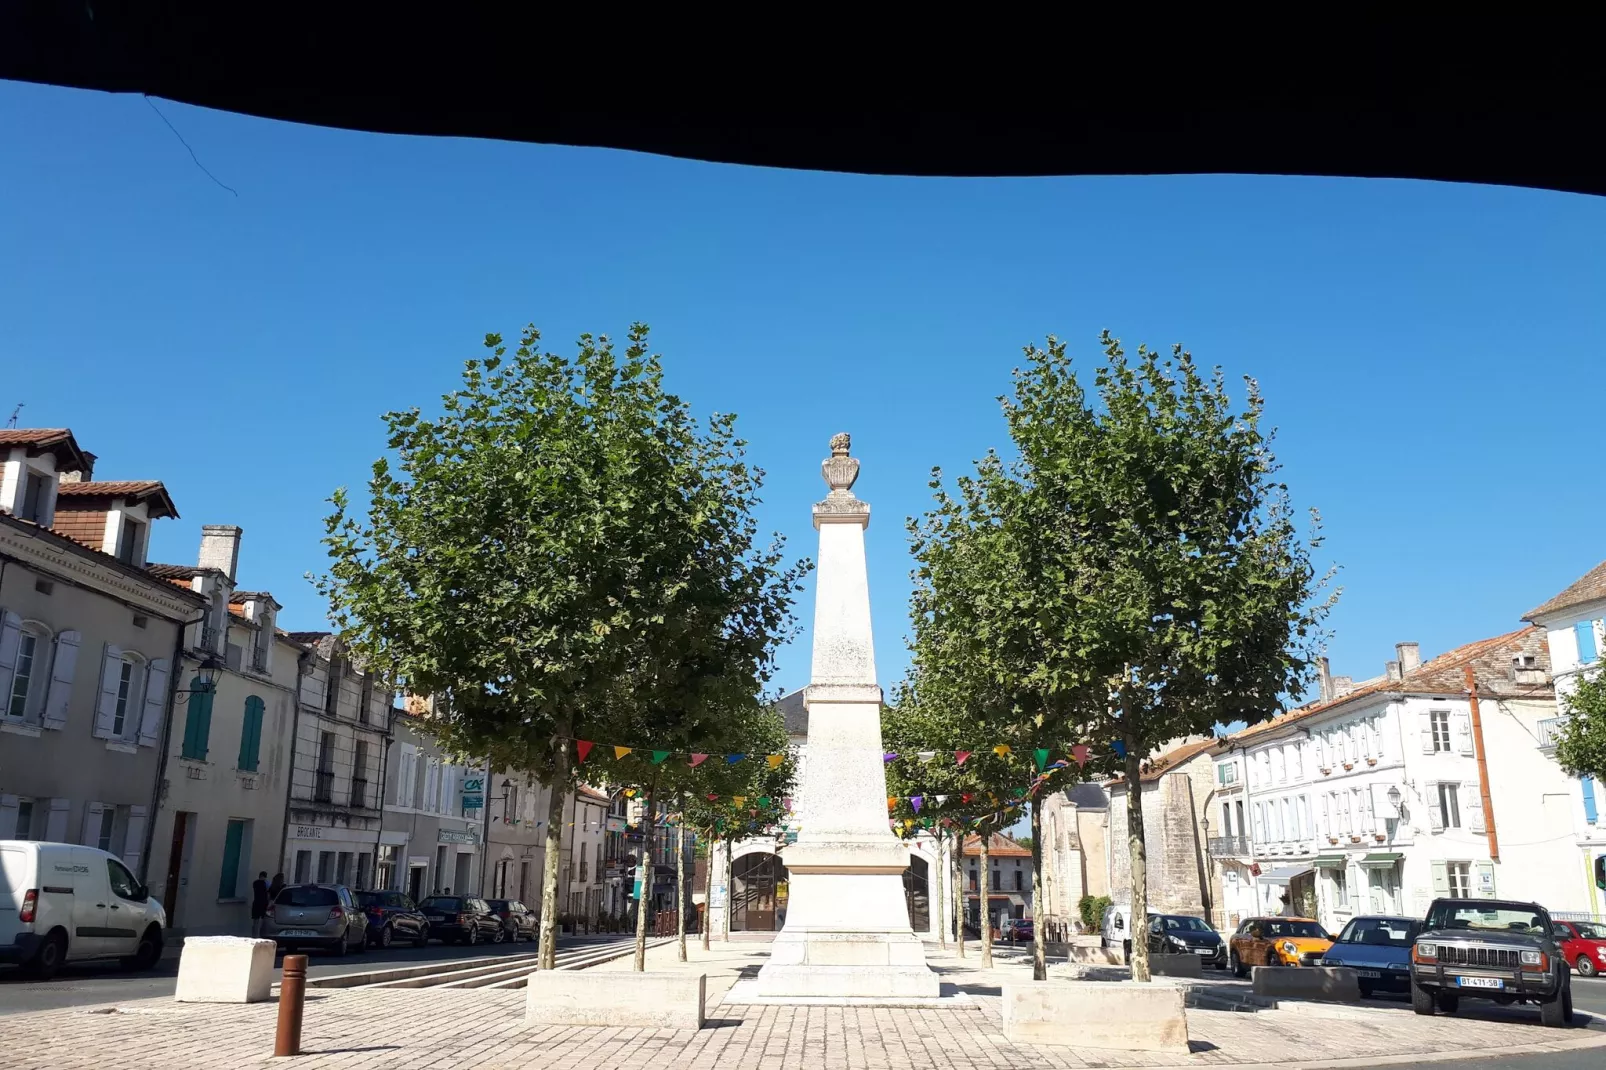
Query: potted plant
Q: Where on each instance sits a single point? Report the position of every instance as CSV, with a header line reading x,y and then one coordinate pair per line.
x,y
1326,770
1371,761
1332,839
1348,766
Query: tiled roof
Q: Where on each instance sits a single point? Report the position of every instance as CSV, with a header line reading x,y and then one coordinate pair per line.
x,y
998,846
76,545
587,792
242,597
175,572
308,637
123,488
1589,587
1443,675
58,440
1155,769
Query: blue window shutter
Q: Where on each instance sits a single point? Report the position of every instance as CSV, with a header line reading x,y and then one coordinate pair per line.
x,y
1585,630
1588,783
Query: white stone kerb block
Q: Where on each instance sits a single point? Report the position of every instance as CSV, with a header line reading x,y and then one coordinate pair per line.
x,y
224,969
605,998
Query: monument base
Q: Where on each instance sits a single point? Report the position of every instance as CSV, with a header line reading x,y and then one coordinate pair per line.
x,y
848,982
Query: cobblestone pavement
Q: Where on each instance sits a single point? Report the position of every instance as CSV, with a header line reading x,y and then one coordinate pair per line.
x,y
400,1030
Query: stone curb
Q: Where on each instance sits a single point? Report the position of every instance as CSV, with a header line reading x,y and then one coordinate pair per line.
x,y
1581,1043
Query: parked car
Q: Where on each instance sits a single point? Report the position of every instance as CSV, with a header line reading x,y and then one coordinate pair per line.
x,y
518,920
1179,934
1277,941
63,903
316,915
1018,931
1378,949
1490,949
1583,944
392,916
462,919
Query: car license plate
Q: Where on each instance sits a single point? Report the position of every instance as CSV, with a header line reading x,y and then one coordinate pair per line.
x,y
1368,973
1481,982
435,917
297,932
1204,951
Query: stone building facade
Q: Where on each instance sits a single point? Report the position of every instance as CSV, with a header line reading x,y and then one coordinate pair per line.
x,y
1174,786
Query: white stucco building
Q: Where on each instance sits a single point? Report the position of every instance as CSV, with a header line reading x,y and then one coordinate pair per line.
x,y
1575,626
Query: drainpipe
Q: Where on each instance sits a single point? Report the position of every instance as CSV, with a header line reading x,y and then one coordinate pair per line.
x,y
384,768
303,668
1483,766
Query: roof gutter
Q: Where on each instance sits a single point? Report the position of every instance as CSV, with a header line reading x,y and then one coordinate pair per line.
x,y
1483,766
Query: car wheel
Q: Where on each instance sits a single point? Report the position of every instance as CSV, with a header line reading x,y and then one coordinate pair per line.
x,y
1586,966
1449,1002
1567,1004
1422,1001
48,959
149,951
422,940
385,936
342,945
1553,1012
501,934
1237,966
473,936
1366,989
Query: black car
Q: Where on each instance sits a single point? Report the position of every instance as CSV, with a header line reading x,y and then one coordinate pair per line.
x,y
1179,934
1490,949
461,919
392,916
520,921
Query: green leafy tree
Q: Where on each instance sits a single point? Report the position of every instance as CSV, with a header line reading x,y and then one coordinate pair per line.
x,y
562,553
1581,747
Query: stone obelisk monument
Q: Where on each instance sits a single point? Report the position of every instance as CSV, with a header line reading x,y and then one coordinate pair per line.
x,y
847,928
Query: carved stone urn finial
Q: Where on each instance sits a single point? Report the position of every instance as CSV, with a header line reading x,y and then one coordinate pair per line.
x,y
840,470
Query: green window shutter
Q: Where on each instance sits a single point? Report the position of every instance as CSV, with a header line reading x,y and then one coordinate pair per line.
x,y
251,734
1441,879
205,739
197,721
229,880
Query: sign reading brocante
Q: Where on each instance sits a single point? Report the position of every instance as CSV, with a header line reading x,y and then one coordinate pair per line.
x,y
458,836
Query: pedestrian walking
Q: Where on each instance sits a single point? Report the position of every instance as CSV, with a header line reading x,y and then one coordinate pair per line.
x,y
259,903
276,887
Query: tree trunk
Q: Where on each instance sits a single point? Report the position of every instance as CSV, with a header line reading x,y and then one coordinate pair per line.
x,y
708,896
648,872
938,897
985,913
680,886
959,890
725,931
1039,938
1137,923
548,956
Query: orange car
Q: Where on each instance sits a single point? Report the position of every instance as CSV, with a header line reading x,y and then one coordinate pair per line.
x,y
1277,942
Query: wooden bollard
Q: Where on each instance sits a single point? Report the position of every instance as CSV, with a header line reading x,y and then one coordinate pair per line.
x,y
292,995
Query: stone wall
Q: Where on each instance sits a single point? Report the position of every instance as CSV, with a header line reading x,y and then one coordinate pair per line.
x,y
1174,849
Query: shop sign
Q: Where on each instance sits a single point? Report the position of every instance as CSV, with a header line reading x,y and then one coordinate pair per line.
x,y
457,836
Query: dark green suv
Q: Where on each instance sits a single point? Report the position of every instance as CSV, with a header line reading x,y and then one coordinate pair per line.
x,y
1490,949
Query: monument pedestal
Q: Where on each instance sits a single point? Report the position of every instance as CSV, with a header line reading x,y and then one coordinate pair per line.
x,y
847,931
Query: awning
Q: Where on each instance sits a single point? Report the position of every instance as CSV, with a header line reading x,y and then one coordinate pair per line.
x,y
1329,862
1283,874
1382,858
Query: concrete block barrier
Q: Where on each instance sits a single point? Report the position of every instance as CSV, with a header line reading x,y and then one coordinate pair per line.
x,y
632,1000
1097,1014
224,969
1095,955
1175,966
1307,982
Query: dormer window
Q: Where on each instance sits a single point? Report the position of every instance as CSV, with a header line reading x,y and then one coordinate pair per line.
x,y
38,497
131,542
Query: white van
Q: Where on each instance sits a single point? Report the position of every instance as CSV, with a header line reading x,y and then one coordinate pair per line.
x,y
60,902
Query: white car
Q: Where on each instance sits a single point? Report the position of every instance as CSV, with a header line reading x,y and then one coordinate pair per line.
x,y
60,902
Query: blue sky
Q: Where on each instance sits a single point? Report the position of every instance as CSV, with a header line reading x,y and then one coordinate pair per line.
x,y
1431,353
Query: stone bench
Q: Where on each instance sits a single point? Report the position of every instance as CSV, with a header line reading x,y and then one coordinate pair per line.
x,y
1307,982
224,969
1095,955
1097,1014
615,998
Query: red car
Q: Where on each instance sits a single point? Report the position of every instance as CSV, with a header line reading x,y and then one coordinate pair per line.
x,y
1584,944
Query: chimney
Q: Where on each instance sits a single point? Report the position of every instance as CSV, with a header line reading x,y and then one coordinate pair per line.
x,y
1410,655
1392,671
220,548
83,475
1343,685
1326,678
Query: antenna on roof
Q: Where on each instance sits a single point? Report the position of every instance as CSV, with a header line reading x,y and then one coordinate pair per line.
x,y
15,414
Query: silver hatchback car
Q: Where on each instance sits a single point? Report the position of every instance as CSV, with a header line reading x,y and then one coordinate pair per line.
x,y
321,915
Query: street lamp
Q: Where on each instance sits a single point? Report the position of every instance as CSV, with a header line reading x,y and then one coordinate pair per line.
x,y
1204,823
1395,797
210,669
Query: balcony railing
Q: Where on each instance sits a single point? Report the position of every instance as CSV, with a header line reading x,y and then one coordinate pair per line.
x,y
359,792
323,786
1550,732
1230,846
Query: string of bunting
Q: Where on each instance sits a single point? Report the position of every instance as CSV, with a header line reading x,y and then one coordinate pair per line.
x,y
1040,756
583,749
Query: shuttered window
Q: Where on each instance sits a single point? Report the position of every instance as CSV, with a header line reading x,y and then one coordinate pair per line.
x,y
198,721
251,734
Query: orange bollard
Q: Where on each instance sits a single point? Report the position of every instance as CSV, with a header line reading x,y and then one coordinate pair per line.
x,y
292,996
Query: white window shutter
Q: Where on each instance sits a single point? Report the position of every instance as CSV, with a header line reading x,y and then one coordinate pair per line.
x,y
1441,879
1463,732
150,723
1435,812
58,702
1472,804
89,836
134,837
111,667
9,807
56,822
10,641
1424,723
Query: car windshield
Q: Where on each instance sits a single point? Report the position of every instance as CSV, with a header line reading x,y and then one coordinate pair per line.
x,y
498,904
1279,928
308,897
1590,931
1185,925
436,902
1516,918
1392,932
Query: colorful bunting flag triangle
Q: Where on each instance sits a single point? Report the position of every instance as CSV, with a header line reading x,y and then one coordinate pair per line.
x,y
583,747
620,752
658,756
